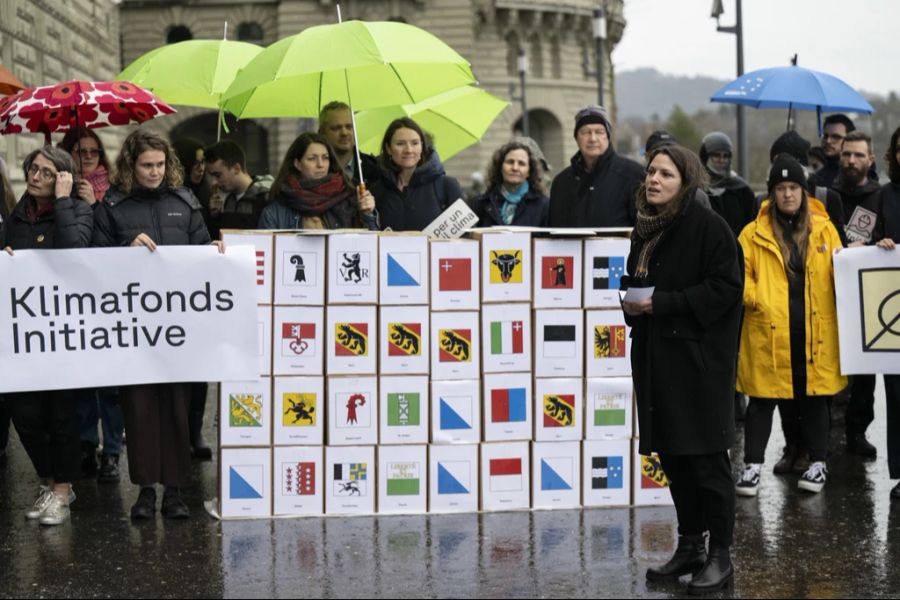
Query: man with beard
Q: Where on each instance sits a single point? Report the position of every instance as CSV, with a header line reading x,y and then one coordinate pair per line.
x,y
834,130
729,195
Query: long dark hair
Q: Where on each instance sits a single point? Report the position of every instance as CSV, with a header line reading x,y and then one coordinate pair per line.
x,y
135,144
73,136
693,174
296,151
495,170
891,157
384,159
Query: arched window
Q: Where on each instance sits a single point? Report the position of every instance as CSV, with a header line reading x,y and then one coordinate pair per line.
x,y
178,33
250,32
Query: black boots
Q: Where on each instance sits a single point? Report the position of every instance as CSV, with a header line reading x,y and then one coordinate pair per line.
x,y
689,557
173,507
199,449
109,468
715,575
858,444
145,506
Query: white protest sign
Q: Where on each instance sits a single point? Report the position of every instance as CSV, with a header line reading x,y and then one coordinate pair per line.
x,y
453,222
99,317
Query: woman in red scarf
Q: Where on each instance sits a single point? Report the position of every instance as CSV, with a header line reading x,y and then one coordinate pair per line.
x,y
91,165
311,192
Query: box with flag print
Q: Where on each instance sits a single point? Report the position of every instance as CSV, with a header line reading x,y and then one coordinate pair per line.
x,y
607,343
505,266
402,479
456,412
403,409
403,264
352,410
264,339
404,340
507,407
350,476
245,482
352,265
557,273
298,410
609,412
299,480
606,472
506,331
505,476
453,478
350,340
300,268
605,261
455,345
558,409
455,279
556,474
298,345
559,343
263,243
651,486
246,412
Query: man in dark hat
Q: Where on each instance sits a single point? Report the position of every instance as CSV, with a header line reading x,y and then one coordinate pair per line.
x,y
729,195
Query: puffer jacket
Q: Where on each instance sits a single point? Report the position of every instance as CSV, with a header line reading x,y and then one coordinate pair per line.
x,y
170,216
68,226
532,211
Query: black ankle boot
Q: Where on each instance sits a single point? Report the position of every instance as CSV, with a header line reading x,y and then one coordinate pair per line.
x,y
716,574
173,507
688,558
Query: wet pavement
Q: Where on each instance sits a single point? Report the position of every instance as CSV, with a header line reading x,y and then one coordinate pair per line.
x,y
843,542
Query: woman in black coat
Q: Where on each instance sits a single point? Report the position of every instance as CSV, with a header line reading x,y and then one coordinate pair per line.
x,y
685,340
515,194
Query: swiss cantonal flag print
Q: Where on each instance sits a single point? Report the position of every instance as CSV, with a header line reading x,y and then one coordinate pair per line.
x,y
455,275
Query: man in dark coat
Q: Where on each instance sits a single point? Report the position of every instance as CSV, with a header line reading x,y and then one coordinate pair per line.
x,y
243,196
834,129
336,124
729,195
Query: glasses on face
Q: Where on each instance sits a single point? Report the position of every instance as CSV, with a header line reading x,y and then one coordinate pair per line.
x,y
88,152
44,173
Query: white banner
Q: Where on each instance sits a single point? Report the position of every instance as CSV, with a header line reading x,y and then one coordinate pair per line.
x,y
867,285
120,316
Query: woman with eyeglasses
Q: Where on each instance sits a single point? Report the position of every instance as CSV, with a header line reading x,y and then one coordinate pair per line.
x,y
91,164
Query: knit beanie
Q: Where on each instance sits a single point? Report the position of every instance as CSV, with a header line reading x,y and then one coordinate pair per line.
x,y
790,142
786,168
592,114
714,142
660,137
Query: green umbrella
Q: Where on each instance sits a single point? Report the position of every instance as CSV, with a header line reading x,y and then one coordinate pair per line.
x,y
366,65
456,119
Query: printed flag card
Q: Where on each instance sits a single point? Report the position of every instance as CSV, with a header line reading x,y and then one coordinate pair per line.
x,y
263,244
352,410
350,480
607,473
245,482
404,268
245,409
299,269
505,481
299,480
402,479
455,282
299,340
404,340
559,343
453,478
609,413
507,407
350,337
299,410
352,263
455,348
456,412
264,339
506,331
557,273
505,266
403,409
558,410
556,474
605,260
607,343
651,486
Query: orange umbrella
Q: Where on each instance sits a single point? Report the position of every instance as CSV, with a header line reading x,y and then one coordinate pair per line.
x,y
9,84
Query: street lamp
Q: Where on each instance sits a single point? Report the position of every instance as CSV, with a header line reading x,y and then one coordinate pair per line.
x,y
738,30
522,66
599,26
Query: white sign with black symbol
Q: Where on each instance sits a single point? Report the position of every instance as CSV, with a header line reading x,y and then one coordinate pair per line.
x,y
861,225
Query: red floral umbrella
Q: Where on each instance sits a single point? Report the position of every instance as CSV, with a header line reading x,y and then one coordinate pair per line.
x,y
77,103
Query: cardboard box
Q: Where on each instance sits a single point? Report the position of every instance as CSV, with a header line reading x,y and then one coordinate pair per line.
x,y
350,477
505,481
455,282
556,474
607,473
558,410
605,261
351,340
557,273
298,340
651,486
245,482
404,340
352,267
453,478
505,266
402,479
607,343
264,338
456,412
300,477
455,345
507,407
300,269
559,343
609,414
298,407
506,331
262,241
403,263
352,410
403,409
246,411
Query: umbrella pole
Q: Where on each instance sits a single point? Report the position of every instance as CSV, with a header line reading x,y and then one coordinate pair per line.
x,y
790,109
362,182
819,120
221,111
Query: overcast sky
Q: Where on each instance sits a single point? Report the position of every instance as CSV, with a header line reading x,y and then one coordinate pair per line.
x,y
856,40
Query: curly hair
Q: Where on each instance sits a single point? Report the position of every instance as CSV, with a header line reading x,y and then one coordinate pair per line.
x,y
136,144
495,170
891,157
693,174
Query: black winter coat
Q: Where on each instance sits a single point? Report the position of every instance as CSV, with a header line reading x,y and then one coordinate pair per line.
x,y
68,226
890,211
603,197
733,200
532,211
170,216
683,356
867,196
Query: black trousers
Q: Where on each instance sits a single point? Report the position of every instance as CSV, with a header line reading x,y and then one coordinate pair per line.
x,y
861,408
811,422
703,491
47,425
892,395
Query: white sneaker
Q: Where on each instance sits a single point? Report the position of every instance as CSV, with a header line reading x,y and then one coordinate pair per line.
x,y
57,511
748,484
813,480
43,501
